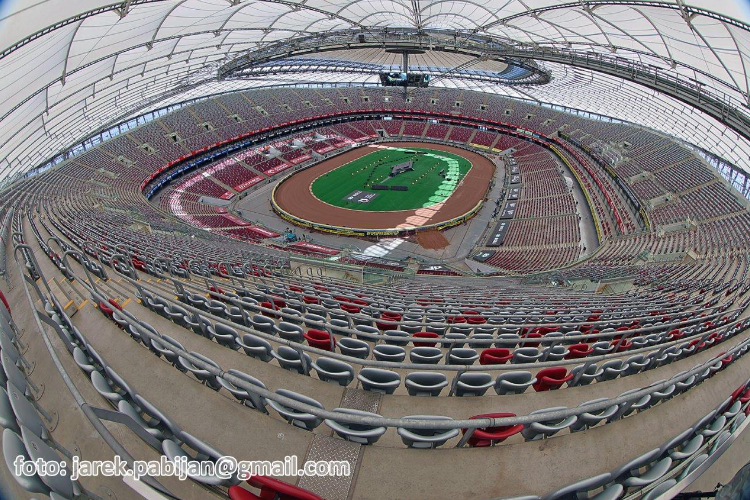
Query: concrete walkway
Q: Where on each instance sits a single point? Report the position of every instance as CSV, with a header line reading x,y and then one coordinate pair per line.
x,y
585,220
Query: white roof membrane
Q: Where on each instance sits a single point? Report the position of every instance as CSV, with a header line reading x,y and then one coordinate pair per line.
x,y
59,59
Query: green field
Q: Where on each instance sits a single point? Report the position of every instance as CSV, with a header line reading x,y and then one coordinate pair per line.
x,y
425,184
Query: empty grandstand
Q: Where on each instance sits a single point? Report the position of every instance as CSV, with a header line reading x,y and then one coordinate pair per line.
x,y
235,265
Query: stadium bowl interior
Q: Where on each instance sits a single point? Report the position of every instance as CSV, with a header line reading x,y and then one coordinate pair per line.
x,y
476,250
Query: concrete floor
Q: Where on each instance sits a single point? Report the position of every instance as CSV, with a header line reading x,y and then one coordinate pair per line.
x,y
586,221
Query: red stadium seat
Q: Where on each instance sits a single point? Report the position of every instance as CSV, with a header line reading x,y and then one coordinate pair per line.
x,y
4,301
271,489
726,359
489,436
624,346
390,316
105,308
239,493
386,325
215,290
551,378
268,305
531,335
576,351
543,330
319,339
495,356
676,334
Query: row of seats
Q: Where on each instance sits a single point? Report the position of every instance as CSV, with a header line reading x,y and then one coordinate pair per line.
x,y
685,452
26,433
417,383
430,384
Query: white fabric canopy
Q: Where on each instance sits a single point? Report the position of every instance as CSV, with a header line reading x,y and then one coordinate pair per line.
x,y
69,67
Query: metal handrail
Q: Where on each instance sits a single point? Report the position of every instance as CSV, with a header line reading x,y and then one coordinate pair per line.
x,y
425,424
411,338
379,308
85,408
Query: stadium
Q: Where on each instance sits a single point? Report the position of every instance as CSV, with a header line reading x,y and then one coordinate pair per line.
x,y
374,249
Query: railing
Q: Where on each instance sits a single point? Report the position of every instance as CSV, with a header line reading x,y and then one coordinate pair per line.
x,y
469,424
4,231
91,413
95,415
446,342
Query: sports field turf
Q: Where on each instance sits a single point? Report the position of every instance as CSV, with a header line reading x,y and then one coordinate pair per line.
x,y
425,184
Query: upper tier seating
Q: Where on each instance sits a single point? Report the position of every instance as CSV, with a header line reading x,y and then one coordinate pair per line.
x,y
184,332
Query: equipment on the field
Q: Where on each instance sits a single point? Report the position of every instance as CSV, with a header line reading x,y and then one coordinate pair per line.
x,y
407,166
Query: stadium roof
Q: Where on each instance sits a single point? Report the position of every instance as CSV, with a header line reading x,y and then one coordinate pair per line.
x,y
71,67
